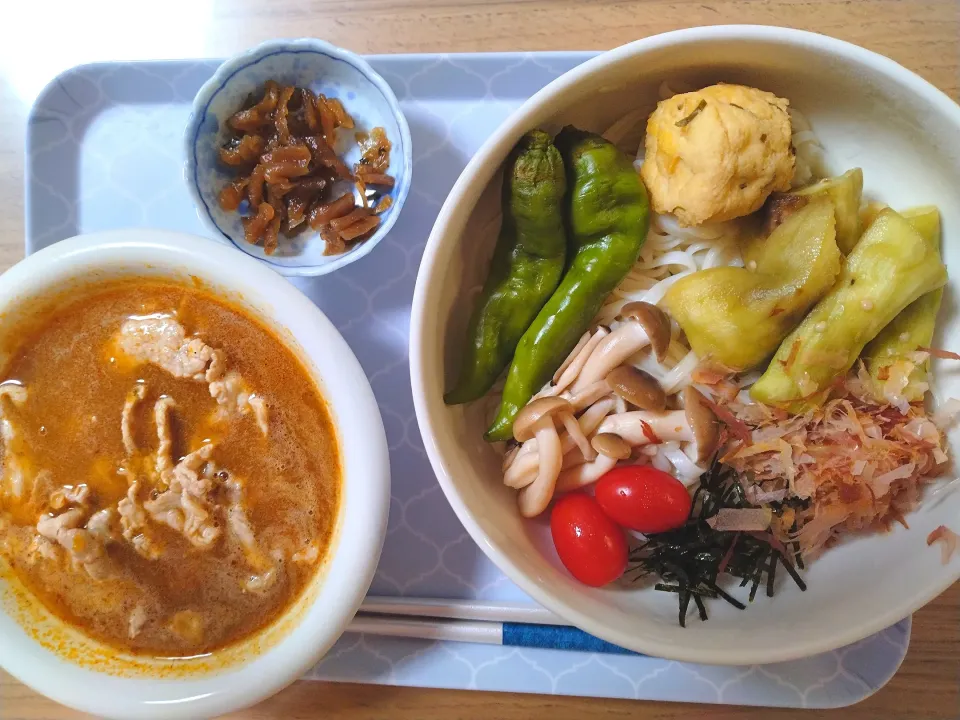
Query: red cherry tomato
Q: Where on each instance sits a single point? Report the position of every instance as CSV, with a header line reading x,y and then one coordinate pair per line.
x,y
589,544
643,498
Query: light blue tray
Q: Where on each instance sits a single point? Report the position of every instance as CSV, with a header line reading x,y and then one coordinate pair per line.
x,y
103,152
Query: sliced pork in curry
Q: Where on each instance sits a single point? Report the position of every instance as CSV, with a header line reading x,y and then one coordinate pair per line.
x,y
170,476
161,340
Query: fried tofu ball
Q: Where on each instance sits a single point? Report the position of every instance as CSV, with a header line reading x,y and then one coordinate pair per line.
x,y
717,153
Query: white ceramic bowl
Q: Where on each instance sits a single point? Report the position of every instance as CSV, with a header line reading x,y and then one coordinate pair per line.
x,y
107,685
324,68
869,112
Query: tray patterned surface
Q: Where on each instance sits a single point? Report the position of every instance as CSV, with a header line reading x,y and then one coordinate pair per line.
x,y
103,151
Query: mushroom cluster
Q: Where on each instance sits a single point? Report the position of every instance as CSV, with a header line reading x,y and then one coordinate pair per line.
x,y
600,410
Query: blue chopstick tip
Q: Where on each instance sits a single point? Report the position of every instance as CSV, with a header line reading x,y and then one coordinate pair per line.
x,y
557,637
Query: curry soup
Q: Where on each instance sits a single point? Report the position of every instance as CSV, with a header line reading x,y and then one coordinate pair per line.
x,y
171,478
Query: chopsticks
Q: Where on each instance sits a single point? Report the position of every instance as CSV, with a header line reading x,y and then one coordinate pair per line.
x,y
509,624
461,610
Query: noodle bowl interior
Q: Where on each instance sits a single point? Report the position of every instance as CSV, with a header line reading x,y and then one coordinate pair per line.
x,y
171,475
721,362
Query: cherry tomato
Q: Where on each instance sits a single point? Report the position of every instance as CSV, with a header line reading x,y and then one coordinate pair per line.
x,y
643,498
589,544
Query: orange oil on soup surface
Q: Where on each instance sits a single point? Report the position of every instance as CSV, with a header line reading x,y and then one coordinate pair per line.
x,y
171,478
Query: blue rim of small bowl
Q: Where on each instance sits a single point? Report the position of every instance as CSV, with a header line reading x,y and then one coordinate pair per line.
x,y
227,70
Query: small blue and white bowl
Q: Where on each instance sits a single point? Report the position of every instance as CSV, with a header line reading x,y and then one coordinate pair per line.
x,y
323,68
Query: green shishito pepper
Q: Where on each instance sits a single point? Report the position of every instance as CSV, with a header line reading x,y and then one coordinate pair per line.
x,y
526,267
607,213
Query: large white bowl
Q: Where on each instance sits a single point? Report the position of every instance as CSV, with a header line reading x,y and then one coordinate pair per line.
x,y
869,112
105,684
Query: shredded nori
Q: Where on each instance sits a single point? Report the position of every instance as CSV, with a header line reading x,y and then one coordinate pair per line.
x,y
687,560
689,118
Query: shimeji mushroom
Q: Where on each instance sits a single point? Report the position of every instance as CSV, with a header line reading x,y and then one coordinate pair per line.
x,y
703,421
572,427
637,388
627,382
522,468
571,367
537,420
611,445
585,474
581,344
695,423
643,324
589,395
611,448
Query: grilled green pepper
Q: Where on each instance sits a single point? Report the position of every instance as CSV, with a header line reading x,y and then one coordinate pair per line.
x,y
607,214
911,329
526,267
889,268
739,315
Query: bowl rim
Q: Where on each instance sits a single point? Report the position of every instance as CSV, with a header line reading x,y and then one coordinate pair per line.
x,y
474,178
237,64
365,498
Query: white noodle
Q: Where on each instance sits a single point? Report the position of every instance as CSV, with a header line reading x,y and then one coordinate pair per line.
x,y
679,376
622,127
804,136
660,462
686,470
810,161
798,120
